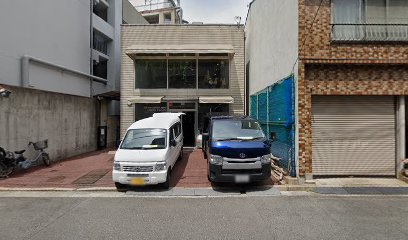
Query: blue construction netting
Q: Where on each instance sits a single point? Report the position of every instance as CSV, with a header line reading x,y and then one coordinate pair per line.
x,y
274,108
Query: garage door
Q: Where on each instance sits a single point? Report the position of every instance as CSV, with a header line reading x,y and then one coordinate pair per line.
x,y
353,135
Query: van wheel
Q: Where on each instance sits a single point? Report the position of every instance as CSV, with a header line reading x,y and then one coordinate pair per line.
x,y
120,187
180,157
166,184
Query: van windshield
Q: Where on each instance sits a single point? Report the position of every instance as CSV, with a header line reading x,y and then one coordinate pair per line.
x,y
240,130
145,139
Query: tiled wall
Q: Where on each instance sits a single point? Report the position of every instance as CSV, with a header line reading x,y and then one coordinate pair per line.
x,y
327,68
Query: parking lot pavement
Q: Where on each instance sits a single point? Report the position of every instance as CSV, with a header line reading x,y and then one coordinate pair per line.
x,y
86,170
94,170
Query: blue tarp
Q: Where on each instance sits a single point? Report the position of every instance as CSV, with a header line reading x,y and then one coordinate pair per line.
x,y
274,108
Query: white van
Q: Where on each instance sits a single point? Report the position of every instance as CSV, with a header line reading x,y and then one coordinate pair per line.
x,y
149,151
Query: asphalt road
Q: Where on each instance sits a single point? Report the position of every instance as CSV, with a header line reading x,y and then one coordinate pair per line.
x,y
272,217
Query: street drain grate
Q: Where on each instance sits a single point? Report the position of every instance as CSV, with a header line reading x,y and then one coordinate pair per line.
x,y
92,176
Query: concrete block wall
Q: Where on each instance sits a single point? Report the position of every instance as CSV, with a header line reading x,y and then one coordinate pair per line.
x,y
329,68
68,122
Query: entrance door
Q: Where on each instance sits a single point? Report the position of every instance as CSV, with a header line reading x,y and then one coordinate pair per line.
x,y
189,129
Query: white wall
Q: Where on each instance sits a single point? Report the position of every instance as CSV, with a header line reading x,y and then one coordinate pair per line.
x,y
56,31
271,41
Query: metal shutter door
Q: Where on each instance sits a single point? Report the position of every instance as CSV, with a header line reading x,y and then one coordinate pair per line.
x,y
353,135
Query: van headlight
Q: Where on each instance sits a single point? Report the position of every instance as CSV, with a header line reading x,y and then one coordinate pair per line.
x,y
160,166
265,159
116,166
216,160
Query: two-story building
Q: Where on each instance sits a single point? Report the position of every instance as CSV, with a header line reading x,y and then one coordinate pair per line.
x,y
351,72
195,69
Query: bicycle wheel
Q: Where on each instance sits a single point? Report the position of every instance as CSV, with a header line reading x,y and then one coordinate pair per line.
x,y
46,159
4,170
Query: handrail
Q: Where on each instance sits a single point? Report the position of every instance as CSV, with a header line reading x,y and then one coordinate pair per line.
x,y
25,70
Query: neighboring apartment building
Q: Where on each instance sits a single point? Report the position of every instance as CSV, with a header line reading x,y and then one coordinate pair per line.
x,y
56,56
195,69
351,85
160,11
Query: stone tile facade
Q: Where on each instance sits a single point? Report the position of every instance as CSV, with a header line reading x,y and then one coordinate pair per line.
x,y
329,68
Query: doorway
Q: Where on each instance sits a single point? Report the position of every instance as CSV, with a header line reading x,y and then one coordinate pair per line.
x,y
189,120
189,129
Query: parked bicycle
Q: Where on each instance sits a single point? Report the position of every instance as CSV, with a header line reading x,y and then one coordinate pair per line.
x,y
10,161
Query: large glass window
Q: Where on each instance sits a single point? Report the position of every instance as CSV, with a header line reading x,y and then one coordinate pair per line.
x,y
370,20
151,73
213,73
182,73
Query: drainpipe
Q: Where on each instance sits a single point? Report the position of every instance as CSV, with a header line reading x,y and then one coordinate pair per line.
x,y
401,138
91,45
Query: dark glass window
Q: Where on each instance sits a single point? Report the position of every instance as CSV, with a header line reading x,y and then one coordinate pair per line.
x,y
182,73
213,73
151,73
214,109
145,110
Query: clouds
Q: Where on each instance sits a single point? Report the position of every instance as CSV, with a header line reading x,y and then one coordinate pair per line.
x,y
214,11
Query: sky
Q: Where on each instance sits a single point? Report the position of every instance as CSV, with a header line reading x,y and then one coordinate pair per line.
x,y
214,11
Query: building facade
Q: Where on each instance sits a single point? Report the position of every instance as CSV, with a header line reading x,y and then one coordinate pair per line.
x,y
353,72
350,77
195,69
55,63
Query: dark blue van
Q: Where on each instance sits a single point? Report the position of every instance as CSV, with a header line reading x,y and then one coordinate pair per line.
x,y
237,150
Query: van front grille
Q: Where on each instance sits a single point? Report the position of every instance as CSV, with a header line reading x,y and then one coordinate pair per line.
x,y
137,168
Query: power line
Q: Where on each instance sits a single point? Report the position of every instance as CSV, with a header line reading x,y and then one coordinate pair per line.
x,y
307,34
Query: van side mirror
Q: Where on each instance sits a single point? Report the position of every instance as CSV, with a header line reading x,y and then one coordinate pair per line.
x,y
173,143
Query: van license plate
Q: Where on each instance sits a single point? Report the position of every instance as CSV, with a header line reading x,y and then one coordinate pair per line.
x,y
242,178
137,181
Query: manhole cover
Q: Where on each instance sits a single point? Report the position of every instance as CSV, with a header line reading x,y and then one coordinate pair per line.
x,y
56,179
92,176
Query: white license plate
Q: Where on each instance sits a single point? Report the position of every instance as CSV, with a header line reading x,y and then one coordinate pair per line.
x,y
242,178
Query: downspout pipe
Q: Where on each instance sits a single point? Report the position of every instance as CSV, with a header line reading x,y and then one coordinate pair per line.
x,y
25,67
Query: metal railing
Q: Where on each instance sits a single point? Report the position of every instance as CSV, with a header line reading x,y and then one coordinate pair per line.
x,y
155,6
369,32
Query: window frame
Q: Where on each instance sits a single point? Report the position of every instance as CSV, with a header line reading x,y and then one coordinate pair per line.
x,y
196,57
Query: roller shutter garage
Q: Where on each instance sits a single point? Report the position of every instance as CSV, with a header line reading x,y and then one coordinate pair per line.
x,y
353,135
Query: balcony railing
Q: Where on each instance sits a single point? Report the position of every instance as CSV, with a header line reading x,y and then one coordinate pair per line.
x,y
370,32
154,6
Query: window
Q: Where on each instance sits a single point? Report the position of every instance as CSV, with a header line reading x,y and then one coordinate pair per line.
x,y
213,73
145,110
370,20
151,73
182,73
145,139
239,130
177,130
204,109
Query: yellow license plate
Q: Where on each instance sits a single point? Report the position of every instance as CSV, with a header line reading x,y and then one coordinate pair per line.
x,y
137,181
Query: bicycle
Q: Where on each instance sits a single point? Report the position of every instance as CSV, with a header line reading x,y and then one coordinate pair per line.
x,y
10,161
